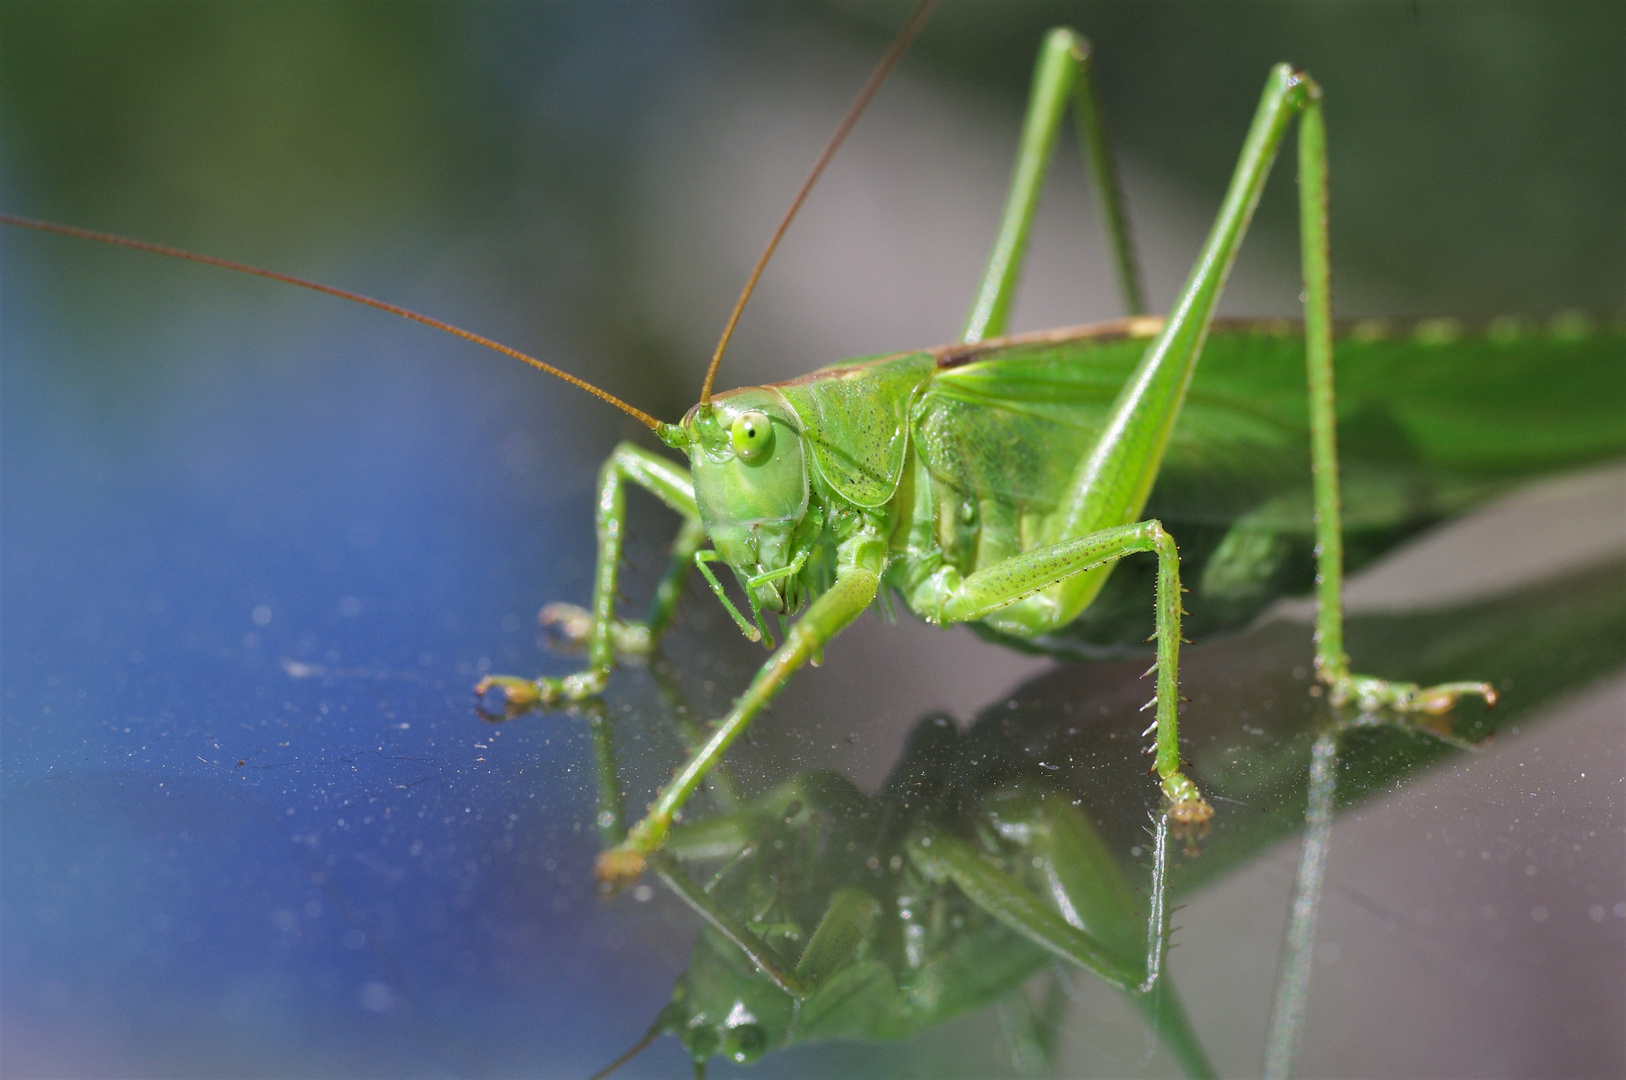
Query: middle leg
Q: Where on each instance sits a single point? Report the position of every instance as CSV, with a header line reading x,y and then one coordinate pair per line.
x,y
859,563
604,634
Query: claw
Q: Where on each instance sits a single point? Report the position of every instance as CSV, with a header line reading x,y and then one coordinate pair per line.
x,y
519,695
519,691
1440,699
1191,811
1186,804
1435,704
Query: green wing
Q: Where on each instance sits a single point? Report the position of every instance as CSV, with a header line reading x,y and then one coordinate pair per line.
x,y
1431,422
1015,424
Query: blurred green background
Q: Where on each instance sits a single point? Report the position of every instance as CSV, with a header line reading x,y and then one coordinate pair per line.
x,y
1477,163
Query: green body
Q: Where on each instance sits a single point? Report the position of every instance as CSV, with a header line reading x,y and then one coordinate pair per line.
x,y
997,482
933,448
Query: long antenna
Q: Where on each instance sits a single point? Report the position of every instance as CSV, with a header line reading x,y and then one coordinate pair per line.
x,y
894,53
316,286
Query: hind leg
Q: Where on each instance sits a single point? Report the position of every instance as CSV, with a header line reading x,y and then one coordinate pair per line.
x,y
1332,663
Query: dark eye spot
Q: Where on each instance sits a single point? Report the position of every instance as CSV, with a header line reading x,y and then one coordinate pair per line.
x,y
752,436
744,1044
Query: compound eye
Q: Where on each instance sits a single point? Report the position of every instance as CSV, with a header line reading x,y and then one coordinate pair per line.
x,y
752,436
745,1043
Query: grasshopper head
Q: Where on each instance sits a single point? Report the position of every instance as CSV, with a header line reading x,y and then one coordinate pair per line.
x,y
750,479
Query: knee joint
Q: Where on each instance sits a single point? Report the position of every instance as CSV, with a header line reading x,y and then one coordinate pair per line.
x,y
1162,542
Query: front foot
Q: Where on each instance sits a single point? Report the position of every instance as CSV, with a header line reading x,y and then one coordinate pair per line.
x,y
570,628
522,695
1371,694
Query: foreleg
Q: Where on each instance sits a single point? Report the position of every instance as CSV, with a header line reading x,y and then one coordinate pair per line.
x,y
604,635
858,574
574,625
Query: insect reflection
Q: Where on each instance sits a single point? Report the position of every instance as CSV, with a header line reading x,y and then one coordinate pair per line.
x,y
830,914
